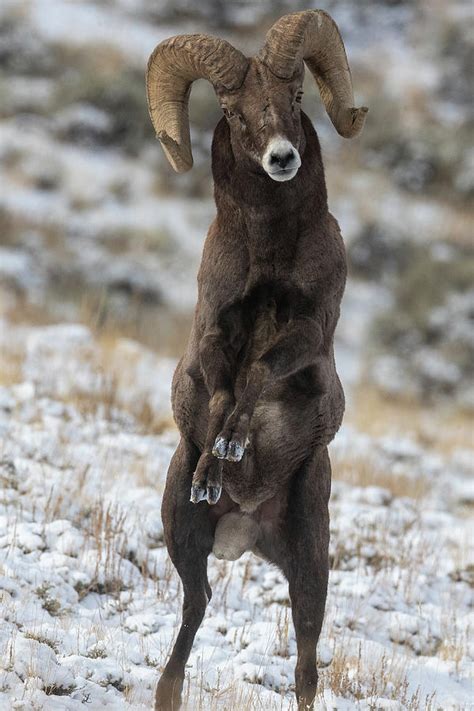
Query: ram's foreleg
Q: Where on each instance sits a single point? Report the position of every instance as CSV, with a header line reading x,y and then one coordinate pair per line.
x,y
207,479
296,347
216,368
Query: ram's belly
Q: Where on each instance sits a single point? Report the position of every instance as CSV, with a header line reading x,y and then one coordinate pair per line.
x,y
274,452
283,434
269,424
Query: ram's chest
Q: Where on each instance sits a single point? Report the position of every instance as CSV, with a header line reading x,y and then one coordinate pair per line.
x,y
251,323
262,328
258,324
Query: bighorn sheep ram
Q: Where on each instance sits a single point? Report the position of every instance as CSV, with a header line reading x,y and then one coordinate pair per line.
x,y
256,395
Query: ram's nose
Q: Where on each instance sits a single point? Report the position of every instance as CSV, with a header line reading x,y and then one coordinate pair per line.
x,y
281,160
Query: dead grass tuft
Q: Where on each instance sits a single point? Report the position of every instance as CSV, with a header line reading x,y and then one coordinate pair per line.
x,y
361,471
105,528
43,640
443,428
55,690
48,602
153,325
359,677
11,368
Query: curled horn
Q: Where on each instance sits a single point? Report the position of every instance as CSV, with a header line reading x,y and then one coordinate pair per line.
x,y
172,68
313,37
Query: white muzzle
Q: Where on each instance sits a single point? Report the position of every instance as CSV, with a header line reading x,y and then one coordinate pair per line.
x,y
281,160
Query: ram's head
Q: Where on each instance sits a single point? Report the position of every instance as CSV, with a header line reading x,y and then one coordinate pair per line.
x,y
260,96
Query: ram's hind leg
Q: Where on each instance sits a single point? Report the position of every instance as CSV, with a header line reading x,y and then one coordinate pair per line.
x,y
189,539
300,548
308,568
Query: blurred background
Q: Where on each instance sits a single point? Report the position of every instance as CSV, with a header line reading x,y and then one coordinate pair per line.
x,y
100,243
95,227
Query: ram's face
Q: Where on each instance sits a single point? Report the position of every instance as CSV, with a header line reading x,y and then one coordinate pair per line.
x,y
265,122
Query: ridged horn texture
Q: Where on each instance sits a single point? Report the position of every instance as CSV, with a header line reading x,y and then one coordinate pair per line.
x,y
172,68
312,36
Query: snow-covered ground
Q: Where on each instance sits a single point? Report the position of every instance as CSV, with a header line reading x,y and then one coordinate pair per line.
x,y
95,229
90,602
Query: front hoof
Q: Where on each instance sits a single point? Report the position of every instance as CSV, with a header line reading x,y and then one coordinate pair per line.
x,y
235,451
213,494
232,448
210,493
198,493
207,481
219,449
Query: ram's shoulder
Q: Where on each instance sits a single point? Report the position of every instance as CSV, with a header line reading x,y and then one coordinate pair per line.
x,y
321,256
224,267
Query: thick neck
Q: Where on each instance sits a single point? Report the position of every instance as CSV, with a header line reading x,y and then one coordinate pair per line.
x,y
268,215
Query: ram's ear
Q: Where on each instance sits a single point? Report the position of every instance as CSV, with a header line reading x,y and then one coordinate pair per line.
x,y
172,68
312,36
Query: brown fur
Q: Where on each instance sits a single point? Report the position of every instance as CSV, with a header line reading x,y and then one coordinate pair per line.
x,y
259,372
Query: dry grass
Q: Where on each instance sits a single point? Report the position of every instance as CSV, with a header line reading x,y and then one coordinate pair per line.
x,y
454,645
104,527
107,400
443,428
107,403
42,639
59,501
121,371
355,677
139,315
362,676
23,313
154,326
372,549
11,365
103,402
360,471
48,602
233,697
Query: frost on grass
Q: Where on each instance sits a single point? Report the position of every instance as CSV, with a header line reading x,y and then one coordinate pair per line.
x,y
91,604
